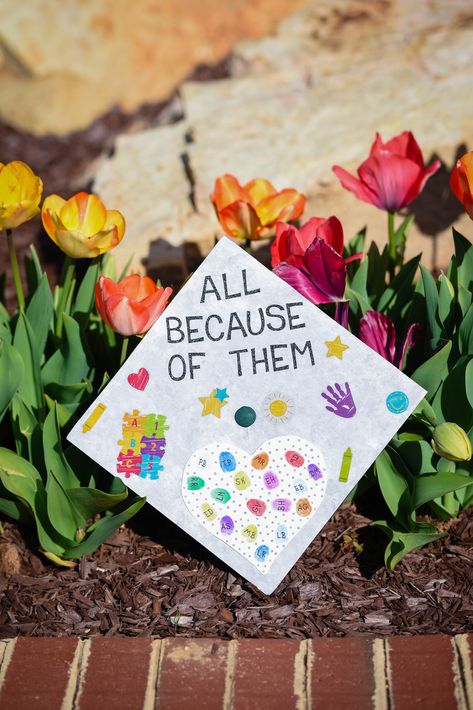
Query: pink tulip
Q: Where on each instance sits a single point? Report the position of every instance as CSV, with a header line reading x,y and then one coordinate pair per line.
x,y
393,174
131,306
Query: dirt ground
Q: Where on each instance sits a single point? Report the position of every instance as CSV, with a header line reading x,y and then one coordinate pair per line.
x,y
166,584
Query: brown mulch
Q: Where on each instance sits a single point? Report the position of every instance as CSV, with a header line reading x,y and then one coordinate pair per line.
x,y
137,586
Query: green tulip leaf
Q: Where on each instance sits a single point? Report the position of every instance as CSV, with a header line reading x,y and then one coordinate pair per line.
x,y
54,458
433,371
40,312
5,331
21,479
103,529
465,333
11,374
393,481
27,432
435,328
402,542
68,365
464,258
30,389
417,455
456,392
85,298
15,510
431,486
33,269
90,501
64,517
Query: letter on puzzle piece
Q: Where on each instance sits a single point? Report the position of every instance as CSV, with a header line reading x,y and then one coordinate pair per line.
x,y
153,446
150,467
155,425
130,444
134,419
129,464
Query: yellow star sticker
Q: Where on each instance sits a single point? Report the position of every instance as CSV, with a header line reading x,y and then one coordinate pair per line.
x,y
212,405
335,348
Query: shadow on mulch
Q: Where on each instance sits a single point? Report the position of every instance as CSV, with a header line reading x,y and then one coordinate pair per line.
x,y
167,584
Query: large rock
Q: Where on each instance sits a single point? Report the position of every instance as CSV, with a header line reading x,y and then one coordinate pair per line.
x,y
64,62
312,95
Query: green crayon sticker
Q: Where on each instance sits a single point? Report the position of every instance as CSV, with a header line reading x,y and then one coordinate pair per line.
x,y
345,467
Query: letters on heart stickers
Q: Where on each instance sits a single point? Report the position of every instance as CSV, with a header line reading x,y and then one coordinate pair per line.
x,y
256,503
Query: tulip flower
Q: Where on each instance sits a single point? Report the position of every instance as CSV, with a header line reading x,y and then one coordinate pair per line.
x,y
20,193
393,174
250,211
451,442
131,306
81,226
291,243
379,332
461,182
321,275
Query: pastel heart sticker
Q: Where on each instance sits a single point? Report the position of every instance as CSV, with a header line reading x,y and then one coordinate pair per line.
x,y
255,503
139,379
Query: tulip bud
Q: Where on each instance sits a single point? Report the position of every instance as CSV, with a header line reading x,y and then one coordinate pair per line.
x,y
451,442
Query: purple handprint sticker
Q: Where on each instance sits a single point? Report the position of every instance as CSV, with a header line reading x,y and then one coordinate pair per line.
x,y
341,402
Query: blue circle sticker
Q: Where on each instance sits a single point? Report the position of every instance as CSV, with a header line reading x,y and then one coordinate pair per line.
x,y
397,402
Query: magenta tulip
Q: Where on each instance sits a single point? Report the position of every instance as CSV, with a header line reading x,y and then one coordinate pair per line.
x,y
321,276
379,332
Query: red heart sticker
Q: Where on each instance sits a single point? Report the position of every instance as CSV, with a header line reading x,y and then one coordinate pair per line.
x,y
139,379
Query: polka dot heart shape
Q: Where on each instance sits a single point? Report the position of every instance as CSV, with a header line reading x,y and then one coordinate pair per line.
x,y
255,502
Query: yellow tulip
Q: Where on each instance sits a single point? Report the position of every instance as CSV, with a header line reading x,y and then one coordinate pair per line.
x,y
81,226
20,193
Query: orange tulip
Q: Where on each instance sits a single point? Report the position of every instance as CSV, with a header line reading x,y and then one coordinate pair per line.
x,y
131,306
20,193
81,226
250,211
461,181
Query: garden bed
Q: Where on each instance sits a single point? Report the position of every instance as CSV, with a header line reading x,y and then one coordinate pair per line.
x,y
167,585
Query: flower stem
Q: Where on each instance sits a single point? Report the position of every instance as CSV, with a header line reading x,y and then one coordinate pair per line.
x,y
15,271
392,253
247,246
124,350
68,271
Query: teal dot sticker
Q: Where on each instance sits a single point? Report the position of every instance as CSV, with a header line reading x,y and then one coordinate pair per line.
x,y
245,416
397,402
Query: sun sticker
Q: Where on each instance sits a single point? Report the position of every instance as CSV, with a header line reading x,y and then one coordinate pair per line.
x,y
278,407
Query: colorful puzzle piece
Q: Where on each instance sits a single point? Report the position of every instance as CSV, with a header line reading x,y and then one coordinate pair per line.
x,y
142,445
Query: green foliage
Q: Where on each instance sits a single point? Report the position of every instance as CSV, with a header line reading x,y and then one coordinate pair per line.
x,y
410,475
45,382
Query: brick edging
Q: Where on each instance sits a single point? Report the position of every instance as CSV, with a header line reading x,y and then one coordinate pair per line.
x,y
395,673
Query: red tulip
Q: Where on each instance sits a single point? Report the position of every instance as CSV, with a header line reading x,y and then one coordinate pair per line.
x,y
379,332
291,243
461,181
131,306
321,276
393,174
